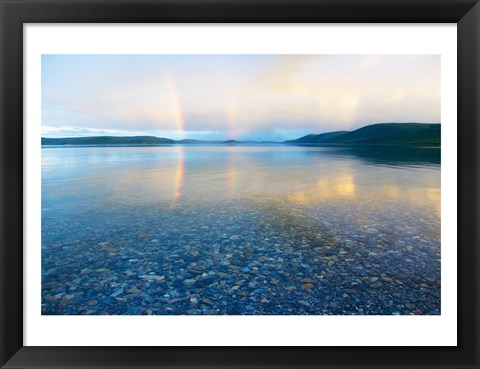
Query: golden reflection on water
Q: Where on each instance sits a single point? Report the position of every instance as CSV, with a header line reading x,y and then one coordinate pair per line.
x,y
230,173
179,176
342,187
338,187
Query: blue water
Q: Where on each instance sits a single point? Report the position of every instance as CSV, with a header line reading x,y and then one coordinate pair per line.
x,y
240,230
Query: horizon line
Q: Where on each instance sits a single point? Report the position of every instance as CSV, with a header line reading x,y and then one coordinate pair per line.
x,y
240,140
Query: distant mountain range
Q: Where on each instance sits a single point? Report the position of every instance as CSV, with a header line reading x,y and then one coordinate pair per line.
x,y
374,134
381,133
107,140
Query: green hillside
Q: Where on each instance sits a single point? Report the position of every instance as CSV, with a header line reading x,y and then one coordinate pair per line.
x,y
312,138
381,133
107,140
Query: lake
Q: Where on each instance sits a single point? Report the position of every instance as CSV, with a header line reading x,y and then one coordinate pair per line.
x,y
240,230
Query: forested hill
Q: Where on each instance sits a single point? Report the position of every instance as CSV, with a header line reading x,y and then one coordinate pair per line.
x,y
107,140
380,133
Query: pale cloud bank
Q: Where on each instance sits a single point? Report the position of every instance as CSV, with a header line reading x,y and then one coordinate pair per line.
x,y
234,96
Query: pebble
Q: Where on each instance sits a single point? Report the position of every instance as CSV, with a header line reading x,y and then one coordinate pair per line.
x,y
153,277
117,292
334,305
133,290
220,252
210,312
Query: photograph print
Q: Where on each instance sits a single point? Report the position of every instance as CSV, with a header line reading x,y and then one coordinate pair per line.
x,y
240,184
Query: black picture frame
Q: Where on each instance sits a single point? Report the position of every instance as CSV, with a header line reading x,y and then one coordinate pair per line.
x,y
15,13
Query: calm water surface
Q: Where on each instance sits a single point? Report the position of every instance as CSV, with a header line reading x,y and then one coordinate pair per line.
x,y
240,230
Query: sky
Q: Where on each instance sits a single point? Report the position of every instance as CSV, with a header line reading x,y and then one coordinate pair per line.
x,y
220,97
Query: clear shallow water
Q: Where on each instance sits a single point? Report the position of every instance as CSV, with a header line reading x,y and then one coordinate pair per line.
x,y
240,230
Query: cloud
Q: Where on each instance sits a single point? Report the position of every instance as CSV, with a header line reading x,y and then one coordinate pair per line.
x,y
239,96
68,131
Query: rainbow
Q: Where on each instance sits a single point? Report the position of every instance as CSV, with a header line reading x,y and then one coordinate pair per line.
x,y
230,111
230,114
177,110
